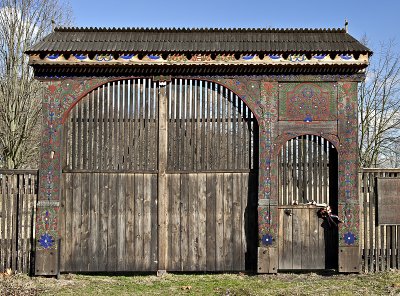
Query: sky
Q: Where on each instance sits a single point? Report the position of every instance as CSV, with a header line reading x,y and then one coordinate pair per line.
x,y
379,20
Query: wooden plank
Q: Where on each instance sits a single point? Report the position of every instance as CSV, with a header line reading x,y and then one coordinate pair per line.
x,y
210,220
297,237
174,255
306,215
93,222
19,224
393,246
104,192
121,222
130,222
310,169
162,180
284,168
110,126
154,225
219,225
134,125
91,140
84,141
202,208
147,238
285,239
76,222
184,227
237,222
193,229
112,223
84,239
228,221
246,206
139,180
96,125
314,243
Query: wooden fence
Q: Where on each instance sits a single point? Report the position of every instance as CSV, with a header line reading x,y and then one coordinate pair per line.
x,y
380,243
18,195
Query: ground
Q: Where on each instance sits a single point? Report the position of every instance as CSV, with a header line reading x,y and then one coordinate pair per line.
x,y
384,283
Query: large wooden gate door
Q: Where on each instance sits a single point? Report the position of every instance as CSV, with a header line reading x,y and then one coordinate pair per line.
x,y
307,173
114,171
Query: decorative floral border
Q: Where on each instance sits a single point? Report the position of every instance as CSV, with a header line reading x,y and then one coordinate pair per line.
x,y
200,58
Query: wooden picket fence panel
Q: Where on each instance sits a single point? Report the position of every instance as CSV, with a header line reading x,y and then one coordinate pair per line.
x,y
380,244
18,196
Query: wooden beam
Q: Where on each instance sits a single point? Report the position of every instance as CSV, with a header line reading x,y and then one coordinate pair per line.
x,y
162,203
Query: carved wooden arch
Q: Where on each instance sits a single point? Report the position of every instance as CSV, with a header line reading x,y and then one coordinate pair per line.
x,y
226,83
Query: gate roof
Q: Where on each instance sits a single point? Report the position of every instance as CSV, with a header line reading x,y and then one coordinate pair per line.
x,y
117,40
127,51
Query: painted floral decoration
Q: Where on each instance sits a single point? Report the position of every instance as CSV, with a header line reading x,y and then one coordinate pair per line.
x,y
46,241
267,239
349,238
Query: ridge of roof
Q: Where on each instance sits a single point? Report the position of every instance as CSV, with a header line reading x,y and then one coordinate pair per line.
x,y
199,30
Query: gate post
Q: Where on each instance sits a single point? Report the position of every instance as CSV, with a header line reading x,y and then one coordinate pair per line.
x,y
267,199
59,97
162,202
349,208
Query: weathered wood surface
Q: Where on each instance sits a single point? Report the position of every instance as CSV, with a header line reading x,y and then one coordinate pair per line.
x,y
388,205
380,244
302,238
18,196
209,221
109,222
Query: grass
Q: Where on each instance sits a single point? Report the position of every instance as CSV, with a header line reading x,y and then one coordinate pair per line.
x,y
385,283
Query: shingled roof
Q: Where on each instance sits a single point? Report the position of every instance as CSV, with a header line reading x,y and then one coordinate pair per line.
x,y
124,40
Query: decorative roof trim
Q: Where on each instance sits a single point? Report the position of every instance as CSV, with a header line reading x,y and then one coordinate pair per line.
x,y
322,59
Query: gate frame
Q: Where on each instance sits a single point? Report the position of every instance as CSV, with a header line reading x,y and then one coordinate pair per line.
x,y
261,96
251,66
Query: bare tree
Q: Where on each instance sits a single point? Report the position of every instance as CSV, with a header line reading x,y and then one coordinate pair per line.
x,y
22,24
379,110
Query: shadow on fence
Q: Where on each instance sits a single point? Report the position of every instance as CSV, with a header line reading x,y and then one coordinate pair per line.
x,y
380,244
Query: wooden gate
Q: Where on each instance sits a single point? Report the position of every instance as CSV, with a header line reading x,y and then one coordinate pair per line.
x,y
307,175
113,169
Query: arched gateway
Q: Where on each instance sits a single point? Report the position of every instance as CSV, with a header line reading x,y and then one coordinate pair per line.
x,y
197,149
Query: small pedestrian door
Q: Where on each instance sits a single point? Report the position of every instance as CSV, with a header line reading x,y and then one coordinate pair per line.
x,y
307,179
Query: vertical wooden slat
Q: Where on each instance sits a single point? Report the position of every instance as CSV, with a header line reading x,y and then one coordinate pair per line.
x,y
184,227
147,239
112,223
228,221
174,206
236,222
202,209
310,181
219,225
210,220
193,218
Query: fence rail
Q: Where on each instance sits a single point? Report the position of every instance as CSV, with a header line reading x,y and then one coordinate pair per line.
x,y
380,244
18,196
